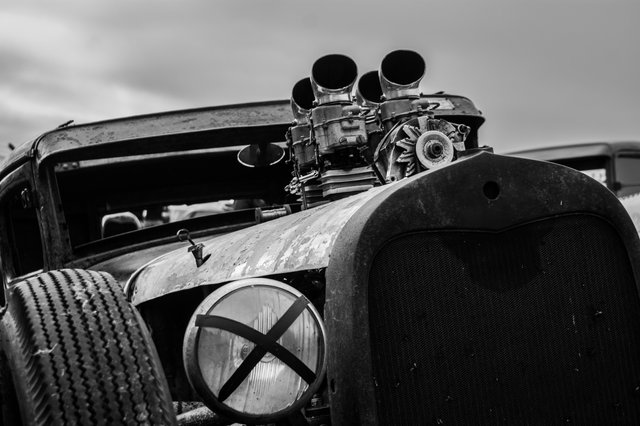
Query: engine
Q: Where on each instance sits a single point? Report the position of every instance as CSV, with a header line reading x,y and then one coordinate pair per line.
x,y
342,142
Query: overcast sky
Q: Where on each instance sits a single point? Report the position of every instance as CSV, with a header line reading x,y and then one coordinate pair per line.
x,y
543,72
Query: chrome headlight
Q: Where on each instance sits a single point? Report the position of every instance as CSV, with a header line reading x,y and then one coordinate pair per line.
x,y
255,350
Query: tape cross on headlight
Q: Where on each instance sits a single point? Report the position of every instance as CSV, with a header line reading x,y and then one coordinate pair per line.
x,y
264,343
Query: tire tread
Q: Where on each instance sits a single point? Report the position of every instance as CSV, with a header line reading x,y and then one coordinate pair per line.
x,y
88,357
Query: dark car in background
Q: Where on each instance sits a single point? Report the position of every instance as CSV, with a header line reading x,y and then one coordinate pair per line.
x,y
614,164
377,265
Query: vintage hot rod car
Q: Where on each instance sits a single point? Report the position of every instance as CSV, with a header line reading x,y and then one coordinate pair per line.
x,y
367,263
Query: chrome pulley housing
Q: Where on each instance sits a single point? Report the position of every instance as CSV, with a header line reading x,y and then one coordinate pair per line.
x,y
419,144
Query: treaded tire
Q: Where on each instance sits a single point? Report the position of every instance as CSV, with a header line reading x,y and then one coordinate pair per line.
x,y
79,353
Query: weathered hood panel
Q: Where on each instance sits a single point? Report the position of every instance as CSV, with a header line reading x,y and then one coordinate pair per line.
x,y
292,243
123,266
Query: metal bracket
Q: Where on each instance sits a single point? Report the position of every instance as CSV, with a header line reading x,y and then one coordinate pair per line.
x,y
194,249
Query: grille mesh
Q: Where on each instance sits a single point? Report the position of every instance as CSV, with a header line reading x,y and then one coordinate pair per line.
x,y
538,325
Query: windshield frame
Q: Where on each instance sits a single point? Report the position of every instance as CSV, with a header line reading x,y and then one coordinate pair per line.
x,y
60,251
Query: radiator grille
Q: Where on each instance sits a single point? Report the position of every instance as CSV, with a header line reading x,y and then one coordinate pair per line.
x,y
539,325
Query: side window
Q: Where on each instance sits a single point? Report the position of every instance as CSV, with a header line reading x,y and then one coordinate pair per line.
x,y
627,174
23,245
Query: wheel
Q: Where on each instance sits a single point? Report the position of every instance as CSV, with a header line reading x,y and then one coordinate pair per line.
x,y
9,414
79,353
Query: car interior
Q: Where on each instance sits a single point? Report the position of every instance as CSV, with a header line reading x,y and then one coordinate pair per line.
x,y
147,189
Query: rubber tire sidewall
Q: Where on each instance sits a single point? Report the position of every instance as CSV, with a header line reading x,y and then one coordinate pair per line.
x,y
16,365
17,340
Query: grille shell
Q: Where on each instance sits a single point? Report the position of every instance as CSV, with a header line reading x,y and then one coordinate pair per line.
x,y
538,323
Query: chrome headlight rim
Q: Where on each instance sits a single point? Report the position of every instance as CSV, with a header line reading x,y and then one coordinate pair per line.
x,y
192,362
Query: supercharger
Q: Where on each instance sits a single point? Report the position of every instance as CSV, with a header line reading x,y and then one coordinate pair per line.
x,y
347,139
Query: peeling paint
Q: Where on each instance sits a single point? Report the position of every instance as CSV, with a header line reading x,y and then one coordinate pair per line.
x,y
292,243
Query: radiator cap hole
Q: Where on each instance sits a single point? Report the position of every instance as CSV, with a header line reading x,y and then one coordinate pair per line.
x,y
491,190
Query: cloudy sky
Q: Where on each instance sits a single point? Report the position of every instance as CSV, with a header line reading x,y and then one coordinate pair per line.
x,y
543,72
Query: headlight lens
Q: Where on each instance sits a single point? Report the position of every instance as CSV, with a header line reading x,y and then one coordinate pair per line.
x,y
254,349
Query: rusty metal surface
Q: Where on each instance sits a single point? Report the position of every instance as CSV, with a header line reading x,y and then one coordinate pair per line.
x,y
145,126
121,267
15,159
292,243
201,416
462,106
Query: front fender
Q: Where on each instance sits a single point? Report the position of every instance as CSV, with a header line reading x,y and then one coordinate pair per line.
x,y
297,242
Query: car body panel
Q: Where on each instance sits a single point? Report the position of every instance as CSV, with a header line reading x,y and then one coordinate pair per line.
x,y
302,241
139,128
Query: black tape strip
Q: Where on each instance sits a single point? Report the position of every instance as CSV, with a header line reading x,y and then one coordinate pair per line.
x,y
259,339
263,345
258,352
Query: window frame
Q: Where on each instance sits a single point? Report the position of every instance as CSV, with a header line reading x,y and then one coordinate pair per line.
x,y
21,177
617,184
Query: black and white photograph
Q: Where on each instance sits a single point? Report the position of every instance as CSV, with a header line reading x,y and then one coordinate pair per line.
x,y
294,213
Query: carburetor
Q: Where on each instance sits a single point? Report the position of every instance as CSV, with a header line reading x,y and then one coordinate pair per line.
x,y
328,140
341,144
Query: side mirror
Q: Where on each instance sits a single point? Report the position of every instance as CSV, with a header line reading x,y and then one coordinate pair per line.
x,y
260,155
118,223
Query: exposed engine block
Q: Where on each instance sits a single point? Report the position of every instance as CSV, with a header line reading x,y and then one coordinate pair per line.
x,y
342,144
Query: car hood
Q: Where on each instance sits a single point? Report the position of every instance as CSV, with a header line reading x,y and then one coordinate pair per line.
x,y
297,242
123,266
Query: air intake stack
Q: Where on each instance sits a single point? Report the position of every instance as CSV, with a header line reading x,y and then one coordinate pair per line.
x,y
300,133
332,164
369,96
401,72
